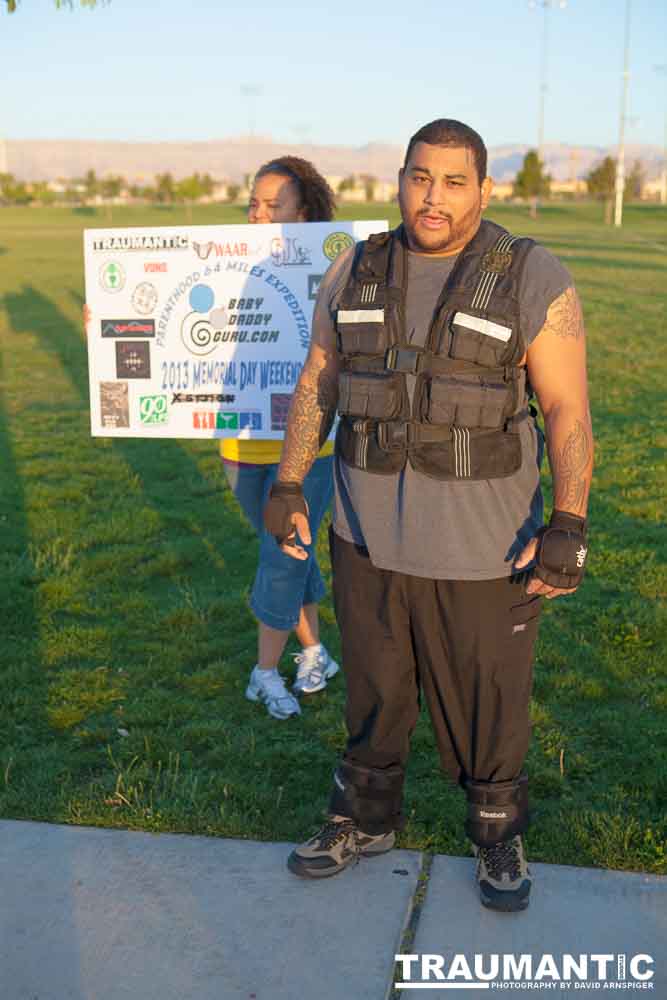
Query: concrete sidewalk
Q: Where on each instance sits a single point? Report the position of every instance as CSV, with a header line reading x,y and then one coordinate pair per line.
x,y
90,914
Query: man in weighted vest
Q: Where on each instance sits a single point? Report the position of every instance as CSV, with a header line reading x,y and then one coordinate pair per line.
x,y
430,341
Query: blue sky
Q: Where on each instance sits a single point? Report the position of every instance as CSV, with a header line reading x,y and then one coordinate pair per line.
x,y
335,73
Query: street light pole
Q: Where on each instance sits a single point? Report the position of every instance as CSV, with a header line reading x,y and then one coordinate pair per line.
x,y
544,68
252,91
543,79
620,160
663,175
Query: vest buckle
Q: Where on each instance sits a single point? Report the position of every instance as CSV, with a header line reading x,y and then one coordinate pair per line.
x,y
396,435
404,359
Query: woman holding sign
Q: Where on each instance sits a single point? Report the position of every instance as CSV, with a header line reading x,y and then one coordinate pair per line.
x,y
286,592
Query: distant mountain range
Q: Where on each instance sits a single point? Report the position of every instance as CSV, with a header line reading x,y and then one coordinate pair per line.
x,y
232,159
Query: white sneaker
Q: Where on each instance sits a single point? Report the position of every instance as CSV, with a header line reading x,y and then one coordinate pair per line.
x,y
316,667
269,687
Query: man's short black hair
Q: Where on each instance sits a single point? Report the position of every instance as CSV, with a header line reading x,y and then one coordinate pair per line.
x,y
449,132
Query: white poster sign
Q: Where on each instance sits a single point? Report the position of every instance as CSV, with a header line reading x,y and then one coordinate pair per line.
x,y
202,331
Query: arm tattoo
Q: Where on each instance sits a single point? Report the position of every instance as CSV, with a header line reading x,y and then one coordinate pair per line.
x,y
569,468
564,317
311,415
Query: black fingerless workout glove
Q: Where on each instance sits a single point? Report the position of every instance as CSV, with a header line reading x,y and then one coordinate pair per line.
x,y
284,500
561,551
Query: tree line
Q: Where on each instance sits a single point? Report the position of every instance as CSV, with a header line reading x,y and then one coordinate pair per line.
x,y
165,190
533,182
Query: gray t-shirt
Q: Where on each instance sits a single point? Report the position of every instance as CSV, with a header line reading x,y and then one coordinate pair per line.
x,y
445,530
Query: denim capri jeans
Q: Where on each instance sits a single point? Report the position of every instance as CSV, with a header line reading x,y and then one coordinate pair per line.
x,y
282,584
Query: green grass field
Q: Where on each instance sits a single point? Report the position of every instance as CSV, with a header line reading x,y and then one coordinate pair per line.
x,y
125,567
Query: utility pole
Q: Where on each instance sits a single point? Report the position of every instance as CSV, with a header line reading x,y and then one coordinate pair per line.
x,y
620,160
662,69
546,5
251,91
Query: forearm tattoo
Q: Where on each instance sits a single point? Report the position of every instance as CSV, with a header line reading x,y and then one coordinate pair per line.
x,y
571,472
565,318
311,415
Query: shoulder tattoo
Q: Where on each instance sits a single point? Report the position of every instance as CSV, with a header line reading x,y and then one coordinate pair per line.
x,y
564,317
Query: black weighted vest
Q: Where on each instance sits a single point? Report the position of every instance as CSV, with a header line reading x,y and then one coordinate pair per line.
x,y
469,392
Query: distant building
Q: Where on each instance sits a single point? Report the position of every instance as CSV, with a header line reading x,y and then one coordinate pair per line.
x,y
386,191
572,188
655,190
219,193
357,191
502,192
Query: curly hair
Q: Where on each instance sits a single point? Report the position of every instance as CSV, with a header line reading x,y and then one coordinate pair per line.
x,y
315,195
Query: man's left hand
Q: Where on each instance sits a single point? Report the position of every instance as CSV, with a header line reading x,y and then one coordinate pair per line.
x,y
559,551
535,585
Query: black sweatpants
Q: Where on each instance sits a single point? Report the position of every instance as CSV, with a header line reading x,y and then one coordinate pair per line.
x,y
467,644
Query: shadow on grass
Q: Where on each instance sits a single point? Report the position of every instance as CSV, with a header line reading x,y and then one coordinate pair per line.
x,y
187,503
24,682
87,210
28,744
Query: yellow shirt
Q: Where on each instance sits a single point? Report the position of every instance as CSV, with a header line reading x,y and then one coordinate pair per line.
x,y
259,452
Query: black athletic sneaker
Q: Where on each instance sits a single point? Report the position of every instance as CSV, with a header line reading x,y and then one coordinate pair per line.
x,y
503,876
336,846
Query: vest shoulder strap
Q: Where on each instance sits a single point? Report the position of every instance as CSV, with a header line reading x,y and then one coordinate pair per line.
x,y
371,259
508,253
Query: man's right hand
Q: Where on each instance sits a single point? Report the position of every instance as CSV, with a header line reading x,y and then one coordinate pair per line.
x,y
285,514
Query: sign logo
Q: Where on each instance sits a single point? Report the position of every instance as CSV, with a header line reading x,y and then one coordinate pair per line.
x,y
198,328
114,404
314,285
112,276
279,409
127,327
153,410
144,242
251,420
144,298
204,250
202,397
215,420
198,335
336,243
286,251
509,971
133,359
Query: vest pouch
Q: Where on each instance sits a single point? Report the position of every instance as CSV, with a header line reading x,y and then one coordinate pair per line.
x,y
361,450
471,455
363,394
482,341
466,402
362,338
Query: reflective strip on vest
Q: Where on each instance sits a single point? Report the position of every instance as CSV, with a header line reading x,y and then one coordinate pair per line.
x,y
461,438
484,326
360,316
